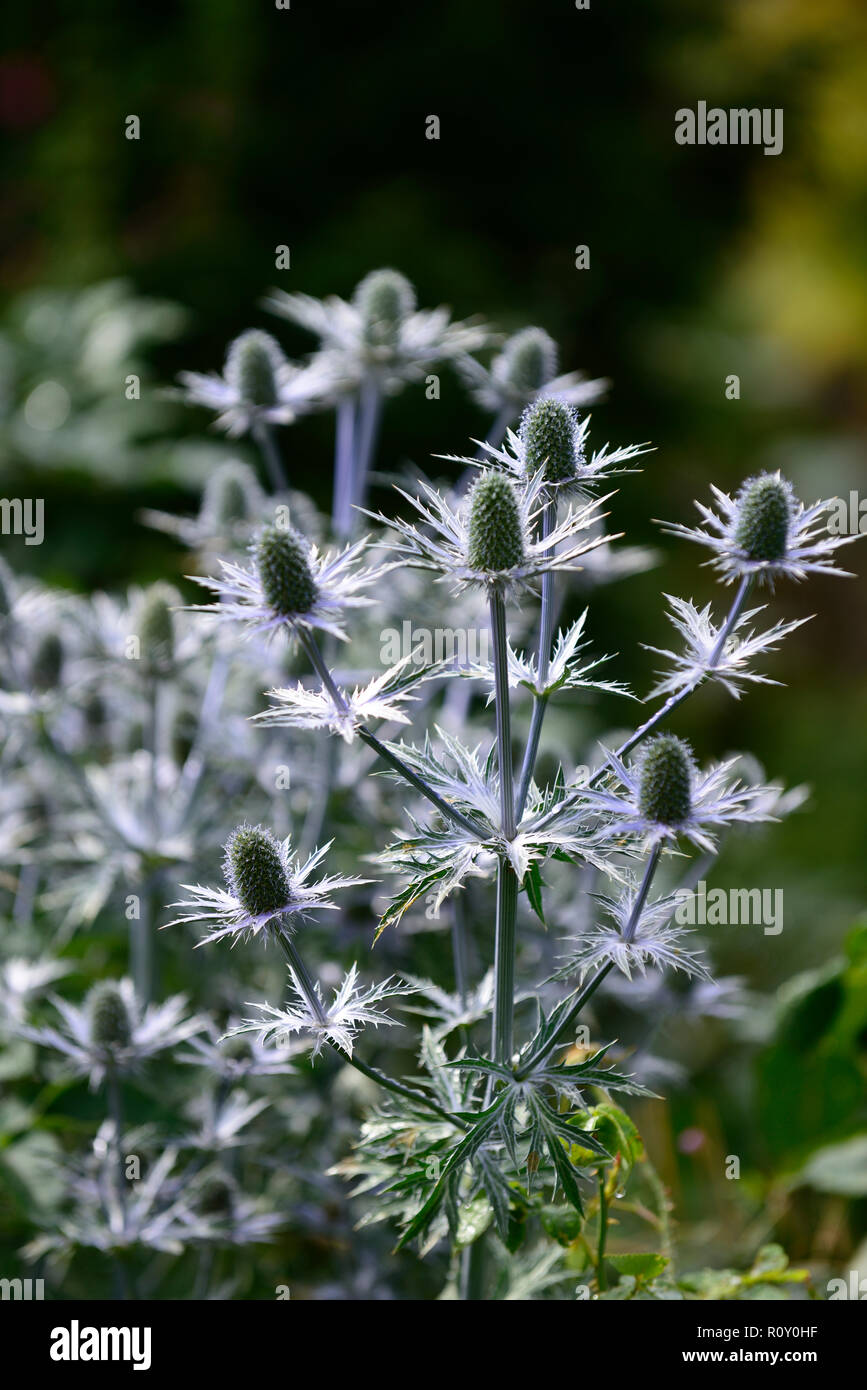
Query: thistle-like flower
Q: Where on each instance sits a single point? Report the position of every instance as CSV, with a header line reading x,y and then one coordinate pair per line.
x,y
236,1057
155,627
259,385
380,335
765,532
290,585
155,1213
700,659
265,888
225,1214
339,1022
112,1033
663,796
489,538
552,440
525,368
232,504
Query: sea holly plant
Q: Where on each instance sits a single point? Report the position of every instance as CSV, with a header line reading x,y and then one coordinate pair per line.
x,y
400,923
508,1131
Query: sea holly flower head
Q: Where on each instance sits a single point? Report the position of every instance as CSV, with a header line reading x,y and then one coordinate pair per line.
x,y
764,515
110,1024
290,585
111,1031
380,336
489,537
256,870
232,504
665,784
495,539
551,442
526,367
259,386
284,571
155,628
384,299
265,888
232,497
253,367
224,1213
662,796
765,532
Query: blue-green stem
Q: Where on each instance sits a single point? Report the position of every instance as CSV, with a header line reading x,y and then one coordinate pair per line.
x,y
546,638
370,416
344,465
264,437
502,1038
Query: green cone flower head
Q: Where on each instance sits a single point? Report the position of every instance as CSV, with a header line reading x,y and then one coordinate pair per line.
x,y
496,537
217,1196
284,571
255,870
763,518
46,666
384,299
110,1024
155,624
532,360
548,433
237,1048
231,497
665,785
253,365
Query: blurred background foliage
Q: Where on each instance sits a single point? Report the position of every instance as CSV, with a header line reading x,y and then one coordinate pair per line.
x,y
306,127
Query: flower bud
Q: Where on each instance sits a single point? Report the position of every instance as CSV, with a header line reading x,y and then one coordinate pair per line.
x,y
284,571
237,1048
384,298
231,497
253,366
46,666
665,784
156,629
496,540
530,360
217,1196
255,870
763,517
110,1024
548,432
